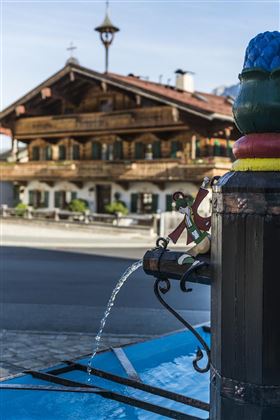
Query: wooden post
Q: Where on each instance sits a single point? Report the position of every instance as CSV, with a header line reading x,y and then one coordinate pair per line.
x,y
245,308
245,303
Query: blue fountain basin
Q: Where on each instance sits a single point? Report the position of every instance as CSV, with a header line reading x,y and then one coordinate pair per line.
x,y
165,362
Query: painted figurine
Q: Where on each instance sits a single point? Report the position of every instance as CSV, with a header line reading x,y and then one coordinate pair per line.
x,y
197,227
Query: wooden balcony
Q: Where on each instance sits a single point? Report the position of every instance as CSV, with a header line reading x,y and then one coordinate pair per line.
x,y
82,171
96,123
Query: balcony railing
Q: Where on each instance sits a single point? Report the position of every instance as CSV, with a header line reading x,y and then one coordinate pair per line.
x,y
157,170
96,122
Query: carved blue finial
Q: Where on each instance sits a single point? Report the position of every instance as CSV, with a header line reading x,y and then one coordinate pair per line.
x,y
263,52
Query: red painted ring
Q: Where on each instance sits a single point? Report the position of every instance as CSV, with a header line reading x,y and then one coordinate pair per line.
x,y
258,145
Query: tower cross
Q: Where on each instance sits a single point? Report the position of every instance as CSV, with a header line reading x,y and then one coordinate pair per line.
x,y
71,48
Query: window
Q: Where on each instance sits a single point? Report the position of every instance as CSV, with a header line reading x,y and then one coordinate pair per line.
x,y
106,105
139,150
149,152
110,152
60,199
104,151
144,203
176,146
48,153
35,153
38,199
62,152
96,150
76,151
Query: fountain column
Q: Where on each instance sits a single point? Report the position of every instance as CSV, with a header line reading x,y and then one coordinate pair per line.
x,y
245,325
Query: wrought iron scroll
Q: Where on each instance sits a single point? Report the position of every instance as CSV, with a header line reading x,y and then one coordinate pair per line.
x,y
161,287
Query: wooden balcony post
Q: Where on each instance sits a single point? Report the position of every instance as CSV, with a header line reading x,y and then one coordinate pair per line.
x,y
245,325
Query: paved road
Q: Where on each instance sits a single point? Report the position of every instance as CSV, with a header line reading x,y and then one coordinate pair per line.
x,y
67,290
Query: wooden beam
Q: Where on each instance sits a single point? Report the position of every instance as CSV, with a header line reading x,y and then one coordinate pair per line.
x,y
46,92
160,185
6,131
20,109
104,86
123,184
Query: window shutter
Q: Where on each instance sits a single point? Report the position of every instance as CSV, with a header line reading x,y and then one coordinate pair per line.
x,y
31,198
48,153
168,202
73,195
76,152
134,202
176,146
96,150
197,149
139,150
118,150
57,199
157,149
35,153
174,149
62,152
155,203
217,148
46,199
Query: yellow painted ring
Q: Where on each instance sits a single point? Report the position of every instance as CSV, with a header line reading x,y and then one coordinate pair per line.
x,y
257,164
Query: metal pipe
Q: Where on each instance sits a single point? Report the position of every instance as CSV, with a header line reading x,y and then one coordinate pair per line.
x,y
163,263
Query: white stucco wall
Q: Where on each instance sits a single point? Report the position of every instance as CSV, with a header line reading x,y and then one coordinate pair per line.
x,y
88,192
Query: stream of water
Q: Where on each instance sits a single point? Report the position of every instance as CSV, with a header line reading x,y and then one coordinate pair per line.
x,y
110,305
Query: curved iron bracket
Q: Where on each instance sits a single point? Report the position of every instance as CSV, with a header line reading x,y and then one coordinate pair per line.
x,y
161,287
187,276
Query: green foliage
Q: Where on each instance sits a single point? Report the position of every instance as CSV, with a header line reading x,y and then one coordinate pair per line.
x,y
20,209
78,205
116,207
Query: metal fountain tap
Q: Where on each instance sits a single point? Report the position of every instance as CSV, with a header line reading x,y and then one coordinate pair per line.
x,y
192,266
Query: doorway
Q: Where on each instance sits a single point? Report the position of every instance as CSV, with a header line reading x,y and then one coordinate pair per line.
x,y
103,197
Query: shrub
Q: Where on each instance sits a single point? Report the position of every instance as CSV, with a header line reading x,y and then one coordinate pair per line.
x,y
20,209
78,205
116,207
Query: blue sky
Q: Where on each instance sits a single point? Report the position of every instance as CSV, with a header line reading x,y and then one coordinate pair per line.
x,y
156,37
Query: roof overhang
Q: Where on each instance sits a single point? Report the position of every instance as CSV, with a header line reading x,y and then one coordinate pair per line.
x,y
93,75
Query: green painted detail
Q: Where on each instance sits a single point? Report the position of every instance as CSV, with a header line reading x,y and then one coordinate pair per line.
x,y
196,233
188,260
257,106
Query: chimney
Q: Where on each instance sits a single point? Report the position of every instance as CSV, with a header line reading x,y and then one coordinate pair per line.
x,y
184,80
